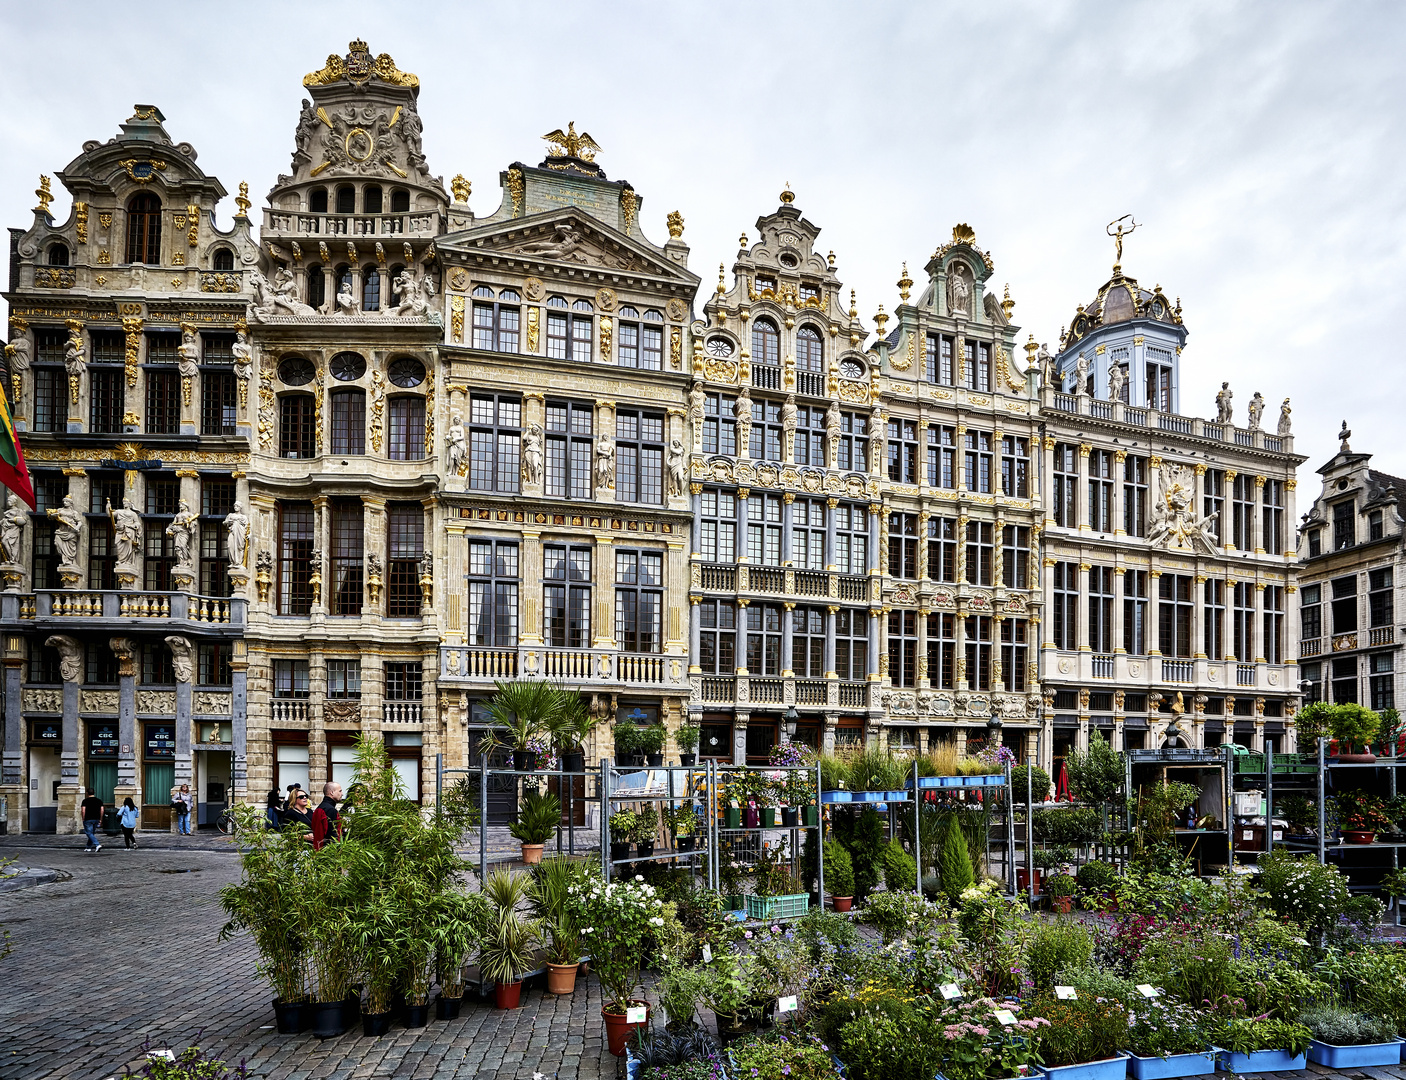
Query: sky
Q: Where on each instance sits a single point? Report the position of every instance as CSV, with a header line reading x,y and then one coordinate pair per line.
x,y
1258,145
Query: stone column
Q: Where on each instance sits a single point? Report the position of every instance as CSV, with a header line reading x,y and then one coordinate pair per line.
x,y
76,389
603,583
134,395
1082,493
12,764
788,611
695,503
695,636
239,721
676,571
742,557
874,616
788,500
1256,529
128,783
832,504
1154,619
373,527
182,664
739,737
830,612
827,736
322,528
70,791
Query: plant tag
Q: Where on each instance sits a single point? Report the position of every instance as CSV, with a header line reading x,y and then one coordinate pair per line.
x,y
707,954
950,991
787,1004
1147,990
1066,993
1005,1016
636,1014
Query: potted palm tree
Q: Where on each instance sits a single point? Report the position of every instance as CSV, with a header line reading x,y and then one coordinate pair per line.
x,y
570,730
522,708
550,898
538,816
507,952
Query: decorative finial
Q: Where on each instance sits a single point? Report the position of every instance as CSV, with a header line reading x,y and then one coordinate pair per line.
x,y
1008,305
788,196
832,260
242,200
675,221
853,307
905,283
461,187
46,195
721,287
569,144
963,234
1118,235
742,241
1343,437
880,320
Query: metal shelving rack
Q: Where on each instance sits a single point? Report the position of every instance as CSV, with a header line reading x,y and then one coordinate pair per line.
x,y
1182,757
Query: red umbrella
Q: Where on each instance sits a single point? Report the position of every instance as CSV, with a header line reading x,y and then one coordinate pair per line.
x,y
1062,784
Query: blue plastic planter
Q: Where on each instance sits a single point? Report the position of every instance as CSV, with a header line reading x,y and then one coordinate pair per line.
x,y
949,781
895,796
1261,1061
929,781
1368,1055
993,780
870,796
836,796
974,781
1114,1068
1174,1065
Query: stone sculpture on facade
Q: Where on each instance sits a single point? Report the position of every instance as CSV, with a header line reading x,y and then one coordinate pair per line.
x,y
455,445
532,454
678,474
1256,411
415,296
237,536
70,656
958,290
605,461
180,657
308,122
12,524
1224,409
188,353
243,357
1174,521
1046,363
127,534
346,300
696,401
271,299
1081,374
125,649
788,422
1117,381
1286,425
73,360
19,353
68,530
182,534
742,411
411,129
833,429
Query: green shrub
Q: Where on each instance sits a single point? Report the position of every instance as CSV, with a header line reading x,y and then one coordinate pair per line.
x,y
1302,889
1039,784
867,852
900,871
1096,877
1068,825
1085,1029
839,871
954,865
1055,946
1061,885
537,817
1343,1027
1096,775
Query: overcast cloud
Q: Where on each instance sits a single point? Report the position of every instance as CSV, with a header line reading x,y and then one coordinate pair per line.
x,y
1259,144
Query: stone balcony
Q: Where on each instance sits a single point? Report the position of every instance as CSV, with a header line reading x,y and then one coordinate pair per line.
x,y
599,667
106,611
746,580
1120,670
828,695
1116,411
424,223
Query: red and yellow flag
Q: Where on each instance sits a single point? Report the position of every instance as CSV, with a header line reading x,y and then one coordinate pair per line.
x,y
14,474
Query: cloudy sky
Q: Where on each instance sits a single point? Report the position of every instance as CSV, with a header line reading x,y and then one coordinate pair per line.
x,y
1260,145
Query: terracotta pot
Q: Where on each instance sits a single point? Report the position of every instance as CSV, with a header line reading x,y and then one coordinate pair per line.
x,y
561,978
1063,904
1022,879
1358,836
618,1030
507,995
532,854
842,903
1357,759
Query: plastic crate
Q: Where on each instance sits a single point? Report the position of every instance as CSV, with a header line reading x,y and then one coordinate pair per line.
x,y
778,907
1250,763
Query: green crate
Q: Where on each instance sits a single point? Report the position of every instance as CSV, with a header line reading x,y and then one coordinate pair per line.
x,y
1249,763
777,907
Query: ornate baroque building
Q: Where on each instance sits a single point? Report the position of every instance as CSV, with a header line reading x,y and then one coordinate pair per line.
x,y
1168,562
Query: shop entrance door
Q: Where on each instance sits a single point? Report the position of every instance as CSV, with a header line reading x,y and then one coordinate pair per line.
x,y
44,789
212,785
102,778
157,780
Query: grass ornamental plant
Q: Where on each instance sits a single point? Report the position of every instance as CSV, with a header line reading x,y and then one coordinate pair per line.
x,y
615,919
538,816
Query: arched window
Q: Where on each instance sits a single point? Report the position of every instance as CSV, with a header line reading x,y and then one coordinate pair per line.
x,y
400,201
641,345
808,350
496,326
346,199
144,229
58,255
556,302
317,287
223,260
766,342
317,201
483,292
405,437
371,199
371,289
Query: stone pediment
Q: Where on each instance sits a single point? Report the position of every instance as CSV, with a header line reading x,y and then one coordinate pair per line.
x,y
566,238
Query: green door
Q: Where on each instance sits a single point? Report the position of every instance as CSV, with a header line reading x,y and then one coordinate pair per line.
x,y
102,778
156,794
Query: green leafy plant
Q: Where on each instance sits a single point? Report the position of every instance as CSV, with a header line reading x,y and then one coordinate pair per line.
x,y
1361,811
1036,781
1313,723
686,738
1159,1027
554,882
1095,775
522,708
900,870
1060,885
1054,947
190,1064
264,905
509,943
1302,889
1084,1029
1337,1026
572,724
1249,1034
679,989
623,824
775,1057
1353,725
651,738
839,870
1096,881
538,816
615,919
954,865
646,824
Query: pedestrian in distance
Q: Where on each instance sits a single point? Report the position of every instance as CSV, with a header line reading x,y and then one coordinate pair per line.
x,y
92,808
181,805
326,822
127,818
299,814
275,804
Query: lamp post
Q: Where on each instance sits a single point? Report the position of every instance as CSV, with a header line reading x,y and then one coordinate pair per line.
x,y
788,722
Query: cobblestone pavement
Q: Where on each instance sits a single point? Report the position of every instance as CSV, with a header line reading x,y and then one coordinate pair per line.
x,y
125,950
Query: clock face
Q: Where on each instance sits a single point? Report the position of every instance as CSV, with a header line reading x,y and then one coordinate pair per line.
x,y
406,372
296,371
348,366
851,369
719,346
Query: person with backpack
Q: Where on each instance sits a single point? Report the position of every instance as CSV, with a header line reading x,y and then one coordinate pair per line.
x,y
127,818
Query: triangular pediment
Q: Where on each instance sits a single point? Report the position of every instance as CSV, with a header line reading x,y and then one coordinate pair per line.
x,y
567,238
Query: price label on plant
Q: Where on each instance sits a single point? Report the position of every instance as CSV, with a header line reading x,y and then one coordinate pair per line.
x,y
1066,993
707,954
787,1004
636,1014
1005,1017
1147,990
950,991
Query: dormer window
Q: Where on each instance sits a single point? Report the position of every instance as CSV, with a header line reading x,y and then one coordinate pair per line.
x,y
556,302
317,201
223,259
144,229
789,261
765,284
809,292
58,255
766,342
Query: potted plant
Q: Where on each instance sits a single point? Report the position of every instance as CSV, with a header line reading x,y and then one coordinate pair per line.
x,y
839,876
551,900
684,822
538,816
507,950
651,743
1167,1040
629,747
615,919
623,824
731,874
523,708
1061,888
1354,726
686,739
570,729
679,989
1084,1038
726,990
461,920
327,891
1361,815
1343,1039
1258,1044
777,893
645,828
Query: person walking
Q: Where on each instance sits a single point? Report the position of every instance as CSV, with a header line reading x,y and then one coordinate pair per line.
x,y
182,803
325,822
127,818
92,808
275,804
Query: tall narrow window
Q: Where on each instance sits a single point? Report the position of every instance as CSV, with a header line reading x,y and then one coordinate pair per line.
x,y
348,422
1213,501
764,639
1015,557
1066,485
639,600
808,642
347,557
1101,609
903,546
808,534
569,430
1311,613
405,435
1015,655
493,593
1135,495
942,456
980,552
942,650
218,386
1344,525
216,502
1159,387
809,351
346,199
938,359
1242,513
978,630
297,426
977,460
719,424
851,539
854,442
717,637
639,456
496,326
296,538
371,289
764,530
581,332
852,644
717,525
105,399
809,447
1345,604
903,451
144,229
317,287
1379,597
1174,615
566,596
102,558
766,342
765,442
50,380
1015,467
1272,536
495,441
405,546
942,549
1242,621
903,647
49,491
163,493
1101,491
1213,618
1135,612
1064,618
1381,693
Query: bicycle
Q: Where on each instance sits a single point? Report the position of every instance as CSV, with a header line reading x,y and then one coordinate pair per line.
x,y
227,822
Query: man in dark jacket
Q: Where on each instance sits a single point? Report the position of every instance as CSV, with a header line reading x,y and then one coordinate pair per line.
x,y
326,822
92,817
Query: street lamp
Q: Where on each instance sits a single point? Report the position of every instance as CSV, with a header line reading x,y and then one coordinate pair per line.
x,y
788,722
993,731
